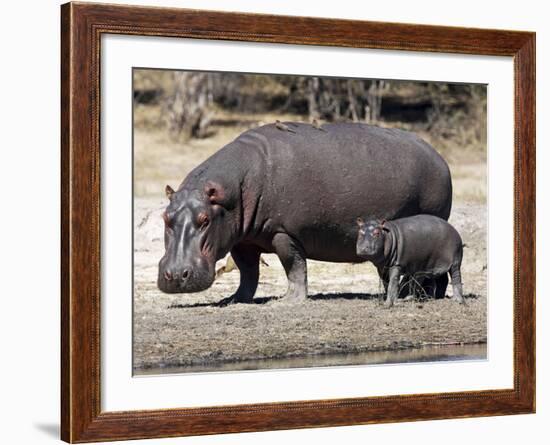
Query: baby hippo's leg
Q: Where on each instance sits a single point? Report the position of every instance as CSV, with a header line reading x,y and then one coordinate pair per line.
x,y
384,277
393,286
456,281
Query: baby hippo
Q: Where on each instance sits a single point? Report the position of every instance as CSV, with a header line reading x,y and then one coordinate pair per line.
x,y
421,246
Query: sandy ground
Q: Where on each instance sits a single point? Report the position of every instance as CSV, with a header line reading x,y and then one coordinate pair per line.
x,y
342,315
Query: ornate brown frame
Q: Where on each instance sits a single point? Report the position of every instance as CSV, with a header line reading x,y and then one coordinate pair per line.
x,y
81,28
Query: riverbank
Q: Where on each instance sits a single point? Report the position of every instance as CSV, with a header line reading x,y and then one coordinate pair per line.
x,y
343,314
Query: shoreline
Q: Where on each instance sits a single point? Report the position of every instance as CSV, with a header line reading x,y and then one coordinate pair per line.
x,y
422,353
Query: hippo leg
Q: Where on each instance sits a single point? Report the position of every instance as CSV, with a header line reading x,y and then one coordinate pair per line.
x,y
441,284
393,286
384,277
406,287
456,281
293,259
247,259
428,287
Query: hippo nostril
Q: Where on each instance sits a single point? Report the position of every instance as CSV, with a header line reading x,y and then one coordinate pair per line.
x,y
184,274
168,275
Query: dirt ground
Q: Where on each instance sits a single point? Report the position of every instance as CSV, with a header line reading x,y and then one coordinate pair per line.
x,y
343,313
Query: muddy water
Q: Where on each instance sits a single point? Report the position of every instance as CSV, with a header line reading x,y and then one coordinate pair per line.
x,y
419,355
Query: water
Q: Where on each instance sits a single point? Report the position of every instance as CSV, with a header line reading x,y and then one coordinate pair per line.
x,y
419,355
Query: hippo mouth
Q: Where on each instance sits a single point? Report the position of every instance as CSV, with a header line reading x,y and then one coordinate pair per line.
x,y
365,253
187,282
185,279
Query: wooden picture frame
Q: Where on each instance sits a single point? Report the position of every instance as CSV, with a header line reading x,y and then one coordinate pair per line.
x,y
82,26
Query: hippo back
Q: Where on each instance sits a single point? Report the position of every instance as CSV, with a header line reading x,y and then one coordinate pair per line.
x,y
316,183
313,184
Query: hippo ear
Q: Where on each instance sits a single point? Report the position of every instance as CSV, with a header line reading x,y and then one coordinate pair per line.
x,y
217,194
383,226
360,222
169,192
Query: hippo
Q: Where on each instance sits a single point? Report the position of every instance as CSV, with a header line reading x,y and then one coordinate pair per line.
x,y
296,191
420,246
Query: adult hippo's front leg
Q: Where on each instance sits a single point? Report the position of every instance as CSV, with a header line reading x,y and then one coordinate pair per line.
x,y
293,258
247,259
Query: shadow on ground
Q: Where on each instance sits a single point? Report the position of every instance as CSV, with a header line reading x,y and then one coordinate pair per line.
x,y
222,303
322,297
345,296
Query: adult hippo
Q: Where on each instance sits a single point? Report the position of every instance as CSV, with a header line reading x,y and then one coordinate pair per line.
x,y
295,190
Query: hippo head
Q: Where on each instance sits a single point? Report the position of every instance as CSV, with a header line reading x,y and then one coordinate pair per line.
x,y
371,237
197,232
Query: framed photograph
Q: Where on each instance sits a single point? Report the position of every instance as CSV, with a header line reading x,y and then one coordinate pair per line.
x,y
275,222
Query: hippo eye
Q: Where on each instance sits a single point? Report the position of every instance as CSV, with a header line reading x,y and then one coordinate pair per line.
x,y
168,229
202,220
376,232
